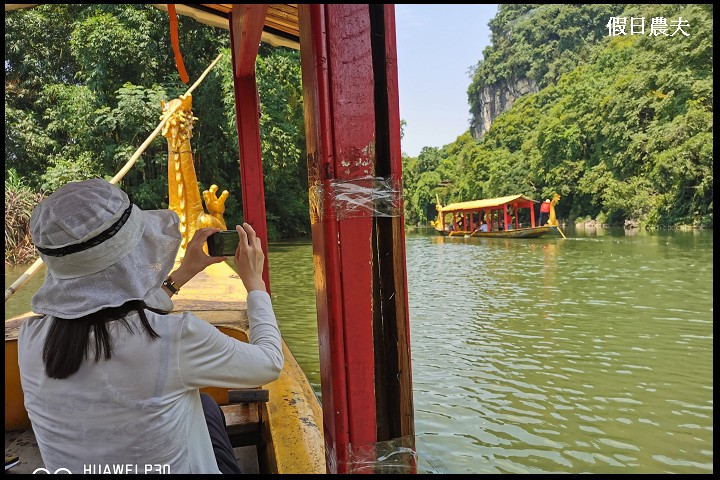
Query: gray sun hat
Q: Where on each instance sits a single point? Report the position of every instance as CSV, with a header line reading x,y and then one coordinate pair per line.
x,y
100,250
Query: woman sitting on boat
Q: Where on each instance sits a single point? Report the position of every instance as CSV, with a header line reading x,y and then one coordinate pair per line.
x,y
111,378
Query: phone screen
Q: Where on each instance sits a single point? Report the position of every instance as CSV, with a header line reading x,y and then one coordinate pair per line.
x,y
223,244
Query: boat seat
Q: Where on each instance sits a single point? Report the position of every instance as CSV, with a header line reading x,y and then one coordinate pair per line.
x,y
242,415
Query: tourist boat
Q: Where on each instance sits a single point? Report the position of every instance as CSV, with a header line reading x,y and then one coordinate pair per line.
x,y
348,58
512,216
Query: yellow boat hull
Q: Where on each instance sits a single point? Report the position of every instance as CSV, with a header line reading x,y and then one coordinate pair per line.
x,y
533,232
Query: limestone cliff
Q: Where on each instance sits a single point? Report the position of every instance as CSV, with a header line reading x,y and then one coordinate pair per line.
x,y
495,99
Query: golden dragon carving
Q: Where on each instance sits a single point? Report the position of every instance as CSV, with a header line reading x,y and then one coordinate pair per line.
x,y
552,220
183,190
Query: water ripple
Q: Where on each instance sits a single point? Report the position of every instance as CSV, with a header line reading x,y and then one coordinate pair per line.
x,y
563,344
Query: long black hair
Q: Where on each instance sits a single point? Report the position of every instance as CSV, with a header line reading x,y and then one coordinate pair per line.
x,y
67,343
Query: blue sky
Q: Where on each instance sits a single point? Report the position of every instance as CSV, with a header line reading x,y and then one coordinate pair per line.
x,y
436,46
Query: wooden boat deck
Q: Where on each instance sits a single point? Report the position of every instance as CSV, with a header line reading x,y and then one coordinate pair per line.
x,y
216,295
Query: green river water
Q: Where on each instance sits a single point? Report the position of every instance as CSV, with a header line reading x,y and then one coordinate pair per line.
x,y
591,354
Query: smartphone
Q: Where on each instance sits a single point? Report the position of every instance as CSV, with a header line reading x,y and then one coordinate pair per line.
x,y
223,244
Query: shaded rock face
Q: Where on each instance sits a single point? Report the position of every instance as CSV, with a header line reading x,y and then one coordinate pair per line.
x,y
495,99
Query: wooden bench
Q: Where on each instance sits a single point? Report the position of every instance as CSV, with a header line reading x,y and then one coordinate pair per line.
x,y
242,415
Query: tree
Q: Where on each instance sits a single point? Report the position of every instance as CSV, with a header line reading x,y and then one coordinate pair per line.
x,y
621,127
83,85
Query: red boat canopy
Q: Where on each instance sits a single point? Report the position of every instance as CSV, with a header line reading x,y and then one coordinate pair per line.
x,y
519,200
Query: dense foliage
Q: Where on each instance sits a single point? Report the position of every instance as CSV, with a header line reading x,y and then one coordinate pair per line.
x,y
621,128
20,201
83,86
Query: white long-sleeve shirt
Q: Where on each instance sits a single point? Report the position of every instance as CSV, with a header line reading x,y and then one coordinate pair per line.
x,y
142,407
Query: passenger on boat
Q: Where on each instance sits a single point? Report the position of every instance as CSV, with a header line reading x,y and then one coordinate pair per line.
x,y
510,223
544,212
109,376
483,227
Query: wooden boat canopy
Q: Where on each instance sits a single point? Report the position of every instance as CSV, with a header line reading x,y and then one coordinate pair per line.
x,y
281,27
488,203
494,217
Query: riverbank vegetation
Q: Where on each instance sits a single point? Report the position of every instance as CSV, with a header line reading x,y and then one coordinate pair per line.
x,y
83,86
20,200
620,127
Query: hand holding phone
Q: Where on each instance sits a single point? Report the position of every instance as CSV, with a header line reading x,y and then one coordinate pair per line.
x,y
250,259
195,260
223,243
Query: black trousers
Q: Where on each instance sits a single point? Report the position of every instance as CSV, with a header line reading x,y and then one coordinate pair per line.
x,y
222,447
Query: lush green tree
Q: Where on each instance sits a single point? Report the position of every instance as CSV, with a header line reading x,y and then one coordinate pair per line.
x,y
20,201
282,136
621,127
83,90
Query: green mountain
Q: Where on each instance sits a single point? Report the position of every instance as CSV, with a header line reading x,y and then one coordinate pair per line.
x,y
610,106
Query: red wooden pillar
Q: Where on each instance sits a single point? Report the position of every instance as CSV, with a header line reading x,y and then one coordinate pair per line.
x,y
353,132
246,25
532,214
403,422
